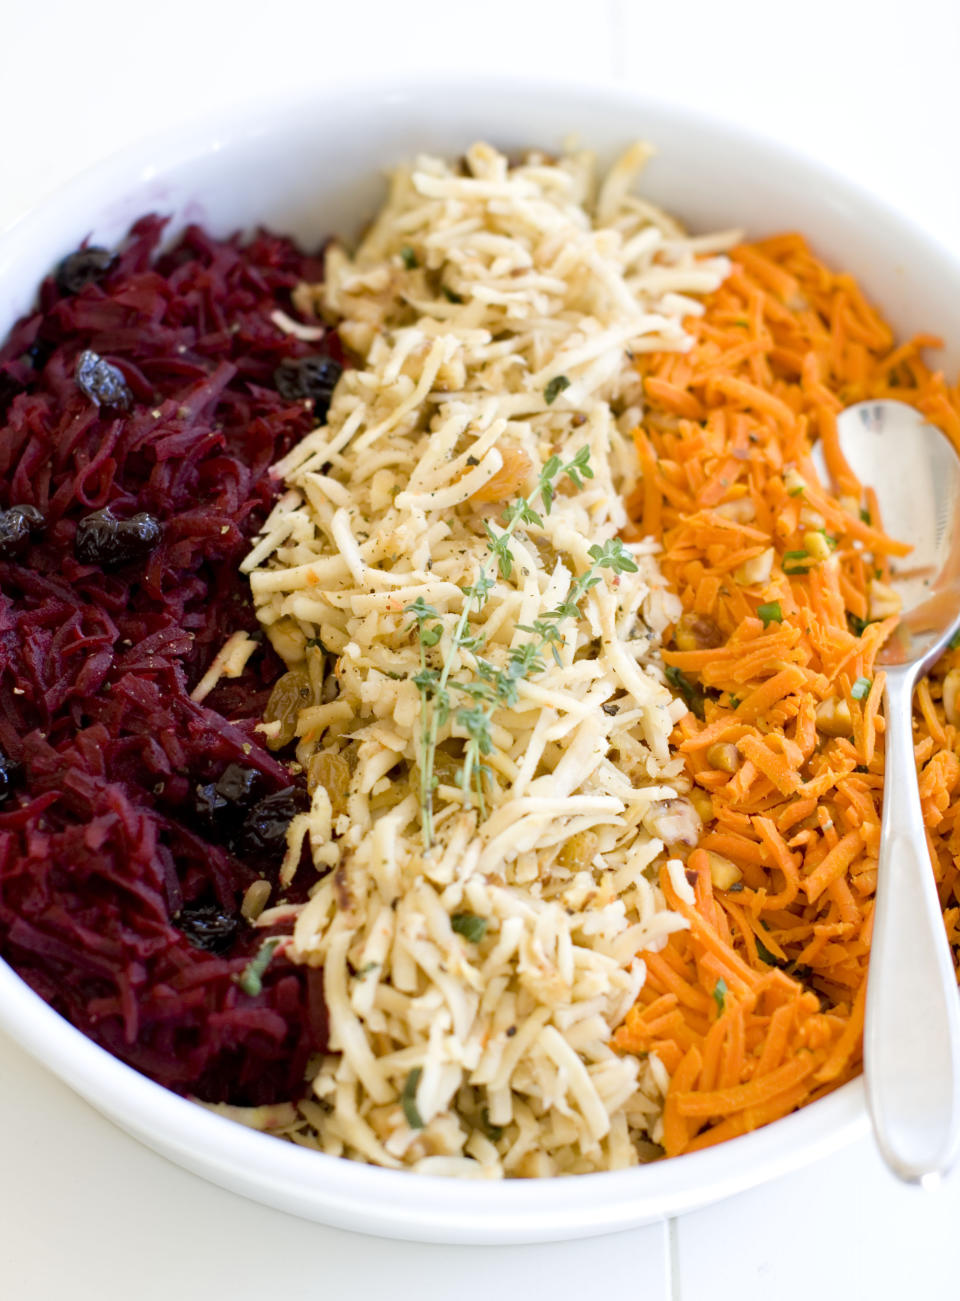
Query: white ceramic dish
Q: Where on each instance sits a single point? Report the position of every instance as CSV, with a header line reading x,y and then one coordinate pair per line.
x,y
313,167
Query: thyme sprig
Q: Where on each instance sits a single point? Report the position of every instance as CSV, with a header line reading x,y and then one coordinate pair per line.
x,y
490,686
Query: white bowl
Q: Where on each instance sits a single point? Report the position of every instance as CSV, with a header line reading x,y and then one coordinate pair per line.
x,y
312,167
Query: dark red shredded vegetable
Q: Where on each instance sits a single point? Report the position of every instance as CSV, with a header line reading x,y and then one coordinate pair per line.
x,y
139,414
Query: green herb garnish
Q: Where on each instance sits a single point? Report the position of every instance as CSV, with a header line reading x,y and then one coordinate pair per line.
x,y
409,258
555,387
450,295
770,613
720,995
408,1099
487,686
861,688
865,515
692,695
250,979
954,642
470,926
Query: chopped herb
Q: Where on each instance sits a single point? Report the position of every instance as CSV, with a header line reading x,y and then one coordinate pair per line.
x,y
797,491
861,688
865,515
250,979
367,968
734,702
408,1099
954,642
315,641
720,995
409,258
856,624
493,1132
470,926
770,613
555,388
692,695
764,954
831,541
451,295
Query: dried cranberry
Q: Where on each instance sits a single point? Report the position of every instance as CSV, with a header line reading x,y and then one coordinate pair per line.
x,y
104,540
18,525
312,378
208,927
85,267
102,383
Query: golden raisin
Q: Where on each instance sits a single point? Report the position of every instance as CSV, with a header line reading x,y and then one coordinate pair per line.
x,y
291,693
509,479
578,852
697,632
332,772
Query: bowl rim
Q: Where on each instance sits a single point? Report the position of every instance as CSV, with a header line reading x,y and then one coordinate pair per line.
x,y
343,1192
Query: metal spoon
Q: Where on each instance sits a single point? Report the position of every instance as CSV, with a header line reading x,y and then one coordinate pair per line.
x,y
912,1032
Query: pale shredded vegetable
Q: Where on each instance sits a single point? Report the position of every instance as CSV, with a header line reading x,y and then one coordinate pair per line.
x,y
479,934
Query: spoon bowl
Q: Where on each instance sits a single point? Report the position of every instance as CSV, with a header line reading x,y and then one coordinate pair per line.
x,y
915,471
912,1023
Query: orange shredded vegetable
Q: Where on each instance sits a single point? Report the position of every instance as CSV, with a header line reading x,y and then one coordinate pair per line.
x,y
757,1008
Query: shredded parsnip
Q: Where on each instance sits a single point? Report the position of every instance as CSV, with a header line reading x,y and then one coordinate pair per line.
x,y
485,723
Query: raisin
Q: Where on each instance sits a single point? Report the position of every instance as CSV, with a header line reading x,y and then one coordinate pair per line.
x,y
10,387
291,693
265,826
312,378
18,525
102,539
9,772
208,803
208,927
87,266
38,354
237,785
102,383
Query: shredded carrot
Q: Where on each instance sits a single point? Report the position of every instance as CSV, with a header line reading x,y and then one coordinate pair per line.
x,y
758,1007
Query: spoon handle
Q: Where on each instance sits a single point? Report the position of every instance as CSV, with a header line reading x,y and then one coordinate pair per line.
x,y
912,1032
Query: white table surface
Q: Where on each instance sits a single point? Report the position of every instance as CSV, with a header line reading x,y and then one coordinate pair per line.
x,y
87,1213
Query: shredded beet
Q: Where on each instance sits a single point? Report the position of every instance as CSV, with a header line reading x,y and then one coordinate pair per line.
x,y
119,890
